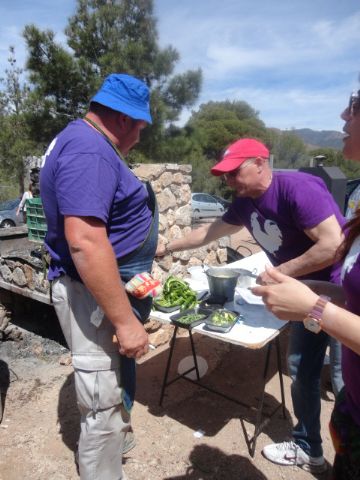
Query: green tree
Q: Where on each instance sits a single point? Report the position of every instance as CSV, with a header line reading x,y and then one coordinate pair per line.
x,y
107,36
335,158
211,129
289,151
15,139
219,123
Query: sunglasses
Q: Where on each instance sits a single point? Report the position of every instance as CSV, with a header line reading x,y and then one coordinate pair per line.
x,y
234,173
231,174
354,103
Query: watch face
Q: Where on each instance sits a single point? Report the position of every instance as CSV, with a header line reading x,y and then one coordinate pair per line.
x,y
312,324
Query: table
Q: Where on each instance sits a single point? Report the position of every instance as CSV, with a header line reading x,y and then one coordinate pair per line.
x,y
258,329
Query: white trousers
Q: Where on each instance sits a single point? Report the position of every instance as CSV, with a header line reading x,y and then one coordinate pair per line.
x,y
96,362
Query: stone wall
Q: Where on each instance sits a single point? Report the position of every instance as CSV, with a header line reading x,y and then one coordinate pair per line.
x,y
172,186
23,273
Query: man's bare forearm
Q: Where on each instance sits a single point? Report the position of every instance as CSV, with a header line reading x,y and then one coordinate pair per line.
x,y
98,269
319,256
203,235
96,264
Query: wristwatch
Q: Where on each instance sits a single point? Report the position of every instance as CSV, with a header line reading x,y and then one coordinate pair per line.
x,y
312,321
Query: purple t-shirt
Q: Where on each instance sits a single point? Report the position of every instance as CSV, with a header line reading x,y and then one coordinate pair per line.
x,y
350,276
294,202
82,175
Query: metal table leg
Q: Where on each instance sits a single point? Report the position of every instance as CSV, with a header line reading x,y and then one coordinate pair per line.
x,y
251,442
260,423
279,362
172,346
194,355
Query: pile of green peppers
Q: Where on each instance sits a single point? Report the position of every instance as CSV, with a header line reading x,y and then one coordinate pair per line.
x,y
176,292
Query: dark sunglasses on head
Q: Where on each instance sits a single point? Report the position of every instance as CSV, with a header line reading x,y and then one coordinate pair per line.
x,y
232,173
354,103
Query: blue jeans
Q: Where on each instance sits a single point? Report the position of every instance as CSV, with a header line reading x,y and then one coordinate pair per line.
x,y
337,381
306,358
140,262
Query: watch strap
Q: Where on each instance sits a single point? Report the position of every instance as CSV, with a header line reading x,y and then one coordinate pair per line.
x,y
318,308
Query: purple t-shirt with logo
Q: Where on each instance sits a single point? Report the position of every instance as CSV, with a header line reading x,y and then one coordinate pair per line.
x,y
295,201
83,176
350,276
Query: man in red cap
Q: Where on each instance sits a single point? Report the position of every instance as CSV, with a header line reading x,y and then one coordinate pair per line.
x,y
296,221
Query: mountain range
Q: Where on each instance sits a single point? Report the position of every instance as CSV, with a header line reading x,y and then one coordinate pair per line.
x,y
323,138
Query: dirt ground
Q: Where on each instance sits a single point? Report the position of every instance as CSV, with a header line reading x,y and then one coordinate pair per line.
x,y
194,435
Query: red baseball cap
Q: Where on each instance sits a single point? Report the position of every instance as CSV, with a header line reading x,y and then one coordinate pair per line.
x,y
237,153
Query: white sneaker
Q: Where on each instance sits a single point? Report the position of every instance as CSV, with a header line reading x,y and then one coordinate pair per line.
x,y
290,454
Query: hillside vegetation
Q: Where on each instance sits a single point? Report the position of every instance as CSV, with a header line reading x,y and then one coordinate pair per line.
x,y
121,36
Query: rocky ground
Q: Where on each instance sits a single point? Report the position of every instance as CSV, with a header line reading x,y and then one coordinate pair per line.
x,y
194,435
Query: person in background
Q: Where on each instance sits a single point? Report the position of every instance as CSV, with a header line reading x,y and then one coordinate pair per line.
x,y
296,221
322,308
22,205
353,203
102,230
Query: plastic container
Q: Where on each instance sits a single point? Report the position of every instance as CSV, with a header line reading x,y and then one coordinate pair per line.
x,y
160,308
226,326
177,318
35,219
37,234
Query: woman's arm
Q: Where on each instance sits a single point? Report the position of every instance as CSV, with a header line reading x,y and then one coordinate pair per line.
x,y
21,204
292,300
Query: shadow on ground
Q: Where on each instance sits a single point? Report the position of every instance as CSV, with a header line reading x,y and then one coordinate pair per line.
x,y
4,385
234,371
68,414
209,463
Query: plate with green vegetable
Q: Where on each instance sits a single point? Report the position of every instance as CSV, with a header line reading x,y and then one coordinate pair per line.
x,y
191,317
176,295
221,320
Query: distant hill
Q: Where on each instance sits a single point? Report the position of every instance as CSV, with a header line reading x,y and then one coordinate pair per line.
x,y
323,138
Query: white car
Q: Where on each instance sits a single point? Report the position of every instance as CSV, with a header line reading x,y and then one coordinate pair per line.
x,y
205,205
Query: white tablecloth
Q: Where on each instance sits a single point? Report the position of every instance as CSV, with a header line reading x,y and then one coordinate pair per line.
x,y
257,327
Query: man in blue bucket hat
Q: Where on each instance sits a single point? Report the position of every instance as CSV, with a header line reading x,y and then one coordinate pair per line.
x,y
102,230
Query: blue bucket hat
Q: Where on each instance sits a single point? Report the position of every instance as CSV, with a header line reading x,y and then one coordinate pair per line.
x,y
126,94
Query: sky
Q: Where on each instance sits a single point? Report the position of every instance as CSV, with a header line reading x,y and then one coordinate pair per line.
x,y
295,62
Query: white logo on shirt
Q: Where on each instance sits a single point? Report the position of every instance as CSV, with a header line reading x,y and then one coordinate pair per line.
x,y
48,151
351,258
270,238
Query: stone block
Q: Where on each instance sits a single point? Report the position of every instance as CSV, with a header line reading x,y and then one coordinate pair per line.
x,y
166,200
6,273
18,277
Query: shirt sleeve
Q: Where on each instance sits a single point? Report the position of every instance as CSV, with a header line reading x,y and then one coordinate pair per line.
x,y
311,203
233,215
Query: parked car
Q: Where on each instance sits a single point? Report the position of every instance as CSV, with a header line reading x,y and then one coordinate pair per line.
x,y
8,216
225,203
205,205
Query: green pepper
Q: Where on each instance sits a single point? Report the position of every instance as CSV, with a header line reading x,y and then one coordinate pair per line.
x,y
176,292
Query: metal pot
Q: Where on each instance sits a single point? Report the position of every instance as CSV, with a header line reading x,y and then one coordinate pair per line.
x,y
223,280
222,283
246,278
